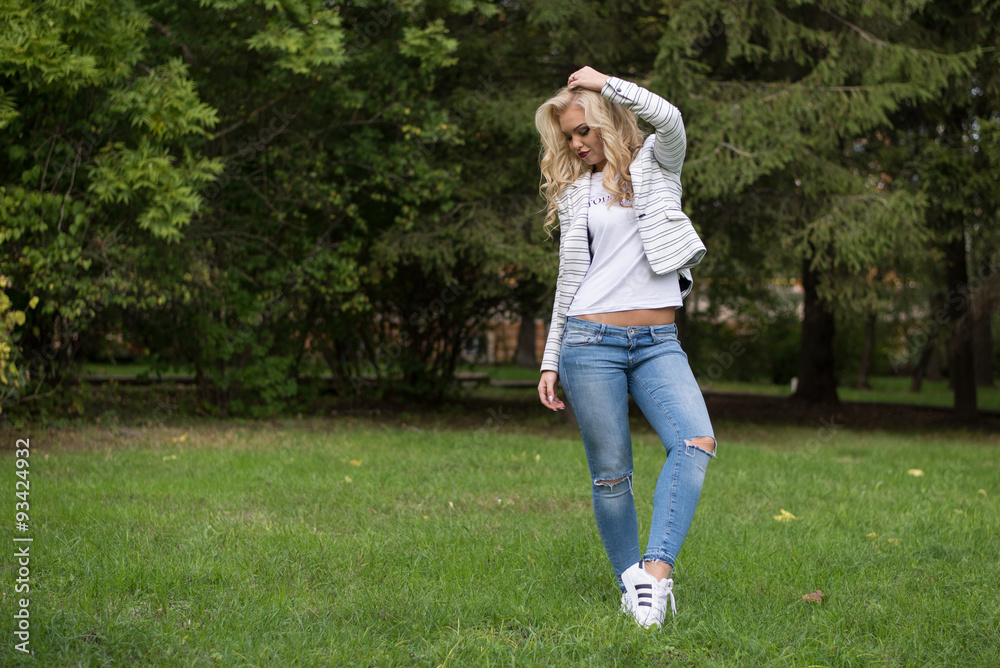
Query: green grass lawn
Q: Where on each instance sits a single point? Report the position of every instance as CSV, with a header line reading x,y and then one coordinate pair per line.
x,y
883,390
355,543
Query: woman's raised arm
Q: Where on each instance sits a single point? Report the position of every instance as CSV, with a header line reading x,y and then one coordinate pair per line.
x,y
671,141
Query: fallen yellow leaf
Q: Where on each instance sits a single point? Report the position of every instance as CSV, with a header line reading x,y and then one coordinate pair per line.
x,y
916,473
785,516
872,535
815,597
355,462
347,478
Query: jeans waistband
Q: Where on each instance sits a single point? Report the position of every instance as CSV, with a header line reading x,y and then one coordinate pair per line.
x,y
614,330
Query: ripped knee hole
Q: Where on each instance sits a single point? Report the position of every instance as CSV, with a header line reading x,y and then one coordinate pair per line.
x,y
705,443
611,482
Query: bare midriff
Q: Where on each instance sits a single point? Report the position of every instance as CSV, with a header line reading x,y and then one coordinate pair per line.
x,y
644,317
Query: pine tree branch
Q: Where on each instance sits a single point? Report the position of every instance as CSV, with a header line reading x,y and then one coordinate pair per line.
x,y
734,149
865,35
787,86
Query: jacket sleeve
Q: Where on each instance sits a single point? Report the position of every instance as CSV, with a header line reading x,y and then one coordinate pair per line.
x,y
671,141
553,342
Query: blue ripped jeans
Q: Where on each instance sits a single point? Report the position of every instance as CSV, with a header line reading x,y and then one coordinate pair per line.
x,y
599,367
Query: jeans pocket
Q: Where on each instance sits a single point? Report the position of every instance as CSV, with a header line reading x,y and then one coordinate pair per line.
x,y
664,333
574,338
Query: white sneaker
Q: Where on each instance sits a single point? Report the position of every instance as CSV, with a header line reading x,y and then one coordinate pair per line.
x,y
645,597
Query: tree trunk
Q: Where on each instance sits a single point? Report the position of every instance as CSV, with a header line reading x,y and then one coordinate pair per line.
x,y
921,367
982,351
961,361
982,335
817,380
867,354
934,370
525,355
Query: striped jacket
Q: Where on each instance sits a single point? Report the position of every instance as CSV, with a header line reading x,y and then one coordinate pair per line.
x,y
668,237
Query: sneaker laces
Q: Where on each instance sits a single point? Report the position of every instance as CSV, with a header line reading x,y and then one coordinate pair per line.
x,y
662,590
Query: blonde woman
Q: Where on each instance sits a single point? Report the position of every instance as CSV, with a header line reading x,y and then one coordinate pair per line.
x,y
625,253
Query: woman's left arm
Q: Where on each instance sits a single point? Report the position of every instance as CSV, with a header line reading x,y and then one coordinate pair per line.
x,y
671,141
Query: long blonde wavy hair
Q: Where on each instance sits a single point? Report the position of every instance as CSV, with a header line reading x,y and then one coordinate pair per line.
x,y
615,125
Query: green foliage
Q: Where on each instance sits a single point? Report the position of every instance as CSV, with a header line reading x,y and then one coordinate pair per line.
x,y
788,107
164,103
11,319
871,234
147,172
8,109
304,35
430,45
265,189
947,150
773,105
97,168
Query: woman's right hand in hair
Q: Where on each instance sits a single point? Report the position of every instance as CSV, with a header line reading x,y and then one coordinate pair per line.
x,y
588,78
547,391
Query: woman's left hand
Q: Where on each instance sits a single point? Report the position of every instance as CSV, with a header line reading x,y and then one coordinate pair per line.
x,y
587,78
547,391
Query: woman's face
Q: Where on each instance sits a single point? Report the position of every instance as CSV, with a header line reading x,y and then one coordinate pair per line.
x,y
583,141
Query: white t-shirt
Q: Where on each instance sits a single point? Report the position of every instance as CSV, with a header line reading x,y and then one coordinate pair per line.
x,y
619,278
